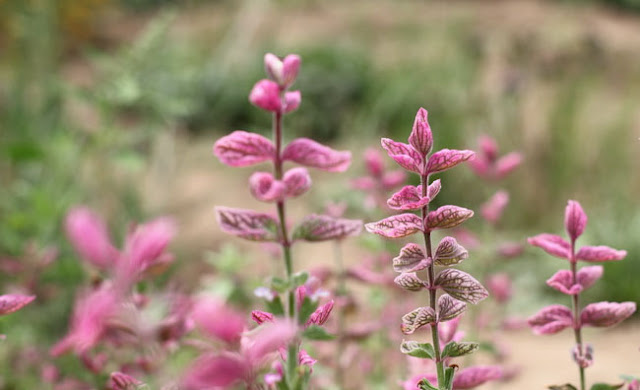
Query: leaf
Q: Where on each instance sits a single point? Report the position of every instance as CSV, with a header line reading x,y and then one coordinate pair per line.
x,y
461,286
408,198
410,259
552,244
551,319
434,189
416,349
396,226
247,224
454,349
300,278
417,318
318,333
449,308
307,152
563,281
297,181
409,281
275,306
280,285
603,314
241,149
425,385
604,386
314,228
264,187
600,254
566,386
13,302
405,155
421,137
446,217
446,159
575,219
449,252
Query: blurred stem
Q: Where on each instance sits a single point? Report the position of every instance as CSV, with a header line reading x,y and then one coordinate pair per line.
x,y
292,351
577,327
341,293
424,181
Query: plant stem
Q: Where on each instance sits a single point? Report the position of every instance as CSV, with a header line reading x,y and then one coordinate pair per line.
x,y
341,292
577,327
292,350
424,180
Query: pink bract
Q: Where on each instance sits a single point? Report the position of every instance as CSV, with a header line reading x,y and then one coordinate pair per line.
x,y
88,235
309,153
13,302
551,319
218,320
421,137
575,220
241,149
266,95
604,314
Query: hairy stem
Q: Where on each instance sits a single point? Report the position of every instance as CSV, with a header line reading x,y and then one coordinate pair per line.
x,y
577,326
292,350
424,180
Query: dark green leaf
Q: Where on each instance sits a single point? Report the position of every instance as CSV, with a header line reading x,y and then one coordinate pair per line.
x,y
308,306
454,349
300,278
419,350
315,332
604,386
275,307
279,284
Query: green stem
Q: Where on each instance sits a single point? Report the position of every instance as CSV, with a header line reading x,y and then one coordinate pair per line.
x,y
424,180
292,350
577,327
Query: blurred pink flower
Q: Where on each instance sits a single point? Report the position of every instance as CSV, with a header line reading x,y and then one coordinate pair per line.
x,y
493,208
88,235
487,164
500,287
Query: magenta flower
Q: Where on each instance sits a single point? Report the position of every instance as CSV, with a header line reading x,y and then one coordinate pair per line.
x,y
500,287
492,210
121,381
282,71
488,165
88,235
555,318
218,320
13,302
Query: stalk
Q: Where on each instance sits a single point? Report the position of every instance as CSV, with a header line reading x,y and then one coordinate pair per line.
x,y
424,180
577,328
341,292
292,350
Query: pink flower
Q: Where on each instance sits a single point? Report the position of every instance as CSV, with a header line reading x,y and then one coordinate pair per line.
x,y
266,95
88,234
575,219
13,302
487,164
121,381
500,287
282,71
493,208
218,320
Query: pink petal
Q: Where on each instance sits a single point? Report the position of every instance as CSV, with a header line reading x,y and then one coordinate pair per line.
x,y
449,308
266,95
309,153
321,314
421,137
273,67
408,198
88,235
247,224
215,371
563,281
417,318
316,227
218,320
600,254
493,208
121,381
471,377
396,226
446,159
297,181
266,188
409,281
449,252
461,285
507,164
13,302
488,147
587,276
575,219
241,149
290,68
410,259
480,166
261,317
446,217
434,189
551,319
145,247
304,359
373,162
604,314
552,244
407,157
282,71
291,101
500,287
634,385
393,179
268,338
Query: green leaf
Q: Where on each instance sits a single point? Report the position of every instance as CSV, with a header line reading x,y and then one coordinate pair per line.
x,y
315,332
425,385
454,349
300,278
448,377
279,284
604,386
308,306
416,349
563,387
275,307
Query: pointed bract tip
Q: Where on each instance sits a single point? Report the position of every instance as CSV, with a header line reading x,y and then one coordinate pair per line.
x,y
575,219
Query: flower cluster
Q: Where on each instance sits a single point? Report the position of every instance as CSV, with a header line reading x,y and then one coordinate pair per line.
x,y
553,319
459,287
241,149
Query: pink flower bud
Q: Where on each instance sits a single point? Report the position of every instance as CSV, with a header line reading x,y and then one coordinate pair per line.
x,y
282,71
266,95
575,219
493,208
291,101
321,315
266,188
88,234
584,358
261,317
421,137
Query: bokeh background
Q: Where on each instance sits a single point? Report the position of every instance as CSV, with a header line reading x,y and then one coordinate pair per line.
x,y
116,104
